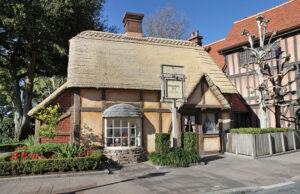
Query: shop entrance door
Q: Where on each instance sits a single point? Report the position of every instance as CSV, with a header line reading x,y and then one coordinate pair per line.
x,y
210,133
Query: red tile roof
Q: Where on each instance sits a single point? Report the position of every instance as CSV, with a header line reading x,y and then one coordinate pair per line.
x,y
213,52
238,105
282,17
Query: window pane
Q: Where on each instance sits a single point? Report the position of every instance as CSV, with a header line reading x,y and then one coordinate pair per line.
x,y
117,142
124,123
209,123
117,132
185,120
109,142
193,128
109,123
132,141
192,119
117,122
124,132
109,132
124,141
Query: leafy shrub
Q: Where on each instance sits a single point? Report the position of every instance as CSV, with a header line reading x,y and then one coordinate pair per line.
x,y
50,116
176,158
189,141
46,147
10,147
162,143
91,162
7,128
29,141
259,130
61,150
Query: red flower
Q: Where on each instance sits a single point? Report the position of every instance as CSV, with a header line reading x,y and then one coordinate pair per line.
x,y
12,158
23,154
79,154
27,152
25,158
52,156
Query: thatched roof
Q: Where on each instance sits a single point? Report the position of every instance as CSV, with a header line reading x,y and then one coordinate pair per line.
x,y
108,60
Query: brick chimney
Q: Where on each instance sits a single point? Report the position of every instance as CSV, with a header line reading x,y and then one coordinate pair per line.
x,y
194,37
133,24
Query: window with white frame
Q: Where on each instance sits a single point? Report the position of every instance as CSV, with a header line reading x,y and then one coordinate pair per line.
x,y
122,132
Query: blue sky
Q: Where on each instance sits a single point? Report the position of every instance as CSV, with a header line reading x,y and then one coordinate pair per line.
x,y
213,18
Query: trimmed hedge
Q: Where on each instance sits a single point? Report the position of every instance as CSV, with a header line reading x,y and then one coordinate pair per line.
x,y
162,143
189,141
175,158
259,130
92,162
10,147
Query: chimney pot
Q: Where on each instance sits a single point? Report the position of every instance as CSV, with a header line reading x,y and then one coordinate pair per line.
x,y
195,37
133,24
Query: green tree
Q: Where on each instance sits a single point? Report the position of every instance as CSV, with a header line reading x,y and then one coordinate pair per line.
x,y
167,23
34,38
50,116
44,86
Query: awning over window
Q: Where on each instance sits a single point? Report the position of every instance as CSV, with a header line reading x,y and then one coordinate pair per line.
x,y
122,110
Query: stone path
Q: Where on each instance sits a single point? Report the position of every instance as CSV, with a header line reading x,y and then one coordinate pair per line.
x,y
221,172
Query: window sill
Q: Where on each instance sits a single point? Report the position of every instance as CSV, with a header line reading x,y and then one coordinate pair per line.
x,y
122,148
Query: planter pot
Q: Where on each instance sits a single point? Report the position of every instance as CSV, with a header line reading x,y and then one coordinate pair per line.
x,y
256,145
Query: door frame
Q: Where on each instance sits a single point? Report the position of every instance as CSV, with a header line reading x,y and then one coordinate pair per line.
x,y
199,128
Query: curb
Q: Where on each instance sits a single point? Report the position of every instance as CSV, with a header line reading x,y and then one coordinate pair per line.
x,y
241,190
24,178
238,190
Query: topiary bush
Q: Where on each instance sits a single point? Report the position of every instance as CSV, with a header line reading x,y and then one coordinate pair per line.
x,y
162,143
175,158
189,141
259,130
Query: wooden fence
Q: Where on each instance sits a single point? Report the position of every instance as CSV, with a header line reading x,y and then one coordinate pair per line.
x,y
257,145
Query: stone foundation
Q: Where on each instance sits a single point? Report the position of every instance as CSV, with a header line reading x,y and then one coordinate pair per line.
x,y
126,156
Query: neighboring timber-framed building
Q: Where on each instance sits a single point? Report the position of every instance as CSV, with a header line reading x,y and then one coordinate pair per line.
x,y
112,95
230,56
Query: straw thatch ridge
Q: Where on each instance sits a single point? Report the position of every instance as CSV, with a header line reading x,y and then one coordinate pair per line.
x,y
48,100
98,35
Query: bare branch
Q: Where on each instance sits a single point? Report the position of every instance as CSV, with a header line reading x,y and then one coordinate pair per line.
x,y
291,68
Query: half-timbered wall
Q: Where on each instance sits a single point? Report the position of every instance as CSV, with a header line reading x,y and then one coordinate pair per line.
x,y
240,78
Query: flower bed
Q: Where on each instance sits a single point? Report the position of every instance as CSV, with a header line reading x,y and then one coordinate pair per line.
x,y
49,158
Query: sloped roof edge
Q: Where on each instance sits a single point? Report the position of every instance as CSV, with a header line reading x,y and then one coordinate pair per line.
x,y
49,99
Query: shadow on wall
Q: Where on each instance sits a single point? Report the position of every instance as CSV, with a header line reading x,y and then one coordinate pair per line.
x,y
90,136
148,135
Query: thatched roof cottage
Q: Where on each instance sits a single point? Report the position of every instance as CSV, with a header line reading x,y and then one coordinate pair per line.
x,y
112,95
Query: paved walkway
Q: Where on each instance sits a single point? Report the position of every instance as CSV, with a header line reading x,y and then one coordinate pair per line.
x,y
221,172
